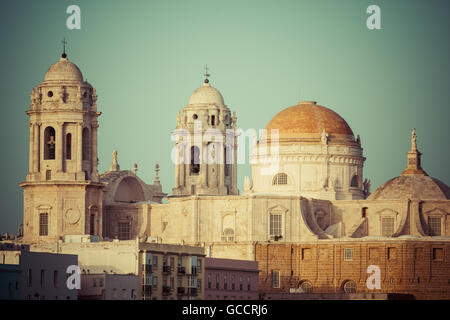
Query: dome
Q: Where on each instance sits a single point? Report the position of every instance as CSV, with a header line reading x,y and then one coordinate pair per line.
x,y
309,120
412,186
207,94
63,70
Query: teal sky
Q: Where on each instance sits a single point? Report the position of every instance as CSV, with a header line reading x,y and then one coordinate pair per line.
x,y
145,58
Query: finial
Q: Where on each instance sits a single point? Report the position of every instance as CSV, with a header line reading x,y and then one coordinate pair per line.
x,y
156,174
135,169
414,158
206,74
64,42
115,165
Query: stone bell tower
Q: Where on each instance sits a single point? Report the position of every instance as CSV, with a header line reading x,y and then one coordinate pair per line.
x,y
205,152
62,192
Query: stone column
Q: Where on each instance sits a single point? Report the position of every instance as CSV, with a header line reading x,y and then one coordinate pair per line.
x,y
177,165
36,157
221,166
80,147
59,145
234,164
204,165
182,164
31,150
94,150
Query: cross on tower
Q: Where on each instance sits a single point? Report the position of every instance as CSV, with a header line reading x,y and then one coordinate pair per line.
x,y
64,42
206,74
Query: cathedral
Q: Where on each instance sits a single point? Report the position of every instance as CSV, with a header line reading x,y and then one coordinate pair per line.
x,y
306,214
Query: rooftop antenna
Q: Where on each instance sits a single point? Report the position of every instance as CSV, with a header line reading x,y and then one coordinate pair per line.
x,y
64,42
206,74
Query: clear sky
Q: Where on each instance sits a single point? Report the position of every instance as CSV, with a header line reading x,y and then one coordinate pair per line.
x,y
145,58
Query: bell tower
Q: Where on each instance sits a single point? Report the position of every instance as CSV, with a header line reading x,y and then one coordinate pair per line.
x,y
62,192
205,152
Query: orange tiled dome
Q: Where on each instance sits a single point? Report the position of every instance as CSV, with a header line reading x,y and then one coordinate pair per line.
x,y
308,120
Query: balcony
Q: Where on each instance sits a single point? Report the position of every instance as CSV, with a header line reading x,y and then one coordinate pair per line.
x,y
192,291
148,268
166,269
146,289
181,291
166,290
181,270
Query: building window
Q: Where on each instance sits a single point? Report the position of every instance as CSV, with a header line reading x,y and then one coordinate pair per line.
x,y
275,224
348,254
434,224
42,278
209,280
275,278
418,253
249,286
241,283
100,283
124,231
213,120
306,286
195,160
43,224
49,143
199,285
29,278
155,282
48,175
349,286
155,262
354,183
233,284
55,279
86,145
387,227
94,282
364,212
227,160
225,283
217,281
438,254
68,146
280,178
92,224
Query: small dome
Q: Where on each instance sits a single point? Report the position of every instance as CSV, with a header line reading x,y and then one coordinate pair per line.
x,y
63,70
207,94
412,186
309,120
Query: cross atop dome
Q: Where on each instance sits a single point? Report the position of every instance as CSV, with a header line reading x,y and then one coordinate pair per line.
x,y
64,42
206,74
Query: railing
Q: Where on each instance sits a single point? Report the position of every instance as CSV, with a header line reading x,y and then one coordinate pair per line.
x,y
166,290
146,289
193,291
181,270
181,290
148,268
167,269
194,270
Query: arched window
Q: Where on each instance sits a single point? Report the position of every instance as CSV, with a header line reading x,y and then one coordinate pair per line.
x,y
86,144
354,183
68,146
349,286
195,160
92,224
280,178
49,143
306,286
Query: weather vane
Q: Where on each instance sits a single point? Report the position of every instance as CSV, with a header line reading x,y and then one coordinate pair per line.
x,y
64,42
206,74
